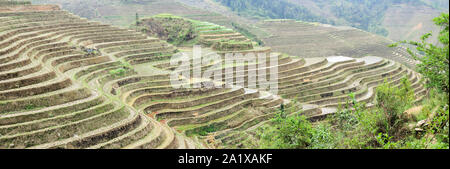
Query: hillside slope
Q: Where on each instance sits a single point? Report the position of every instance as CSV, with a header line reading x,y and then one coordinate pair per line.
x,y
409,22
67,82
397,20
123,13
318,40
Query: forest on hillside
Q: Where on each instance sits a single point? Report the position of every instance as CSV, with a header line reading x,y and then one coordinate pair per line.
x,y
362,14
276,9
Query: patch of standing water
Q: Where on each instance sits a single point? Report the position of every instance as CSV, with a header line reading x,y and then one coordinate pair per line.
x,y
370,59
248,91
267,95
338,58
328,110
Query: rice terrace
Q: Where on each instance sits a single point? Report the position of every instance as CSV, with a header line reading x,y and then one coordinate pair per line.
x,y
208,74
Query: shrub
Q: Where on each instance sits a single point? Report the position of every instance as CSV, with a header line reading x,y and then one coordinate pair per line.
x,y
322,138
355,125
392,102
208,129
30,107
385,141
118,72
174,29
286,132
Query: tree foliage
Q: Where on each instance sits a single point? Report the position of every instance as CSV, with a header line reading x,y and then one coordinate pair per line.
x,y
291,132
275,9
173,29
392,102
363,14
434,65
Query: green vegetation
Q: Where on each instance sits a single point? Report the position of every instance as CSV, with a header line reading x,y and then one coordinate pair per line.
x,y
287,132
363,14
185,32
232,45
203,131
276,9
102,107
174,29
386,126
247,33
137,19
435,64
118,72
30,107
391,102
366,15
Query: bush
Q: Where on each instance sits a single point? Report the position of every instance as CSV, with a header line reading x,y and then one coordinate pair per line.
x,y
358,127
322,138
355,125
293,132
439,125
392,102
173,29
30,107
347,118
118,72
206,130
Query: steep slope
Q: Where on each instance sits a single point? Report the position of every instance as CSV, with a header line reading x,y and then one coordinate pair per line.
x,y
410,22
317,40
54,67
438,4
67,82
398,20
380,17
123,13
315,85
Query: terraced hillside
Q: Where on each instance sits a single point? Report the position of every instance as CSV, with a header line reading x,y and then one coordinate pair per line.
x,y
221,38
122,13
318,40
315,85
187,32
53,68
411,22
294,38
66,82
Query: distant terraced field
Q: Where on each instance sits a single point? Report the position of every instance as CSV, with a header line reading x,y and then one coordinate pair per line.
x,y
317,40
67,82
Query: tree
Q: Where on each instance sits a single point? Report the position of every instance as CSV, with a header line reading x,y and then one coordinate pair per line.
x,y
392,102
137,19
434,66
